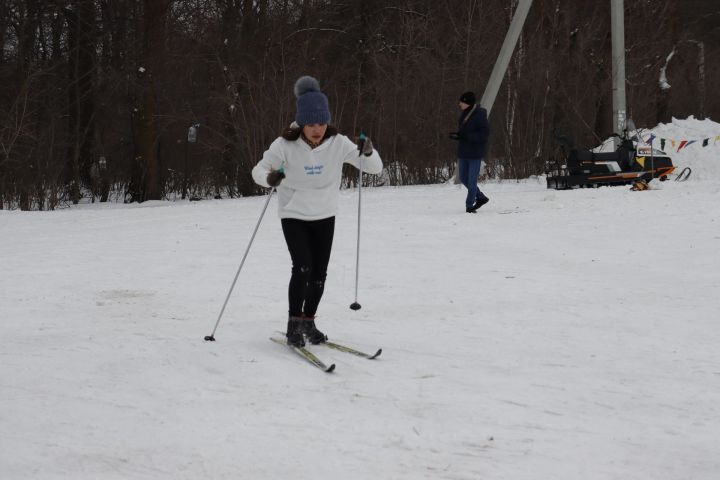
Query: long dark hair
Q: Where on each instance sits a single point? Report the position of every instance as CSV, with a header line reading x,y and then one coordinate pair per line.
x,y
293,133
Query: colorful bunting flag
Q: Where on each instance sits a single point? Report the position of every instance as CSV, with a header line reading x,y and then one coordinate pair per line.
x,y
685,143
678,145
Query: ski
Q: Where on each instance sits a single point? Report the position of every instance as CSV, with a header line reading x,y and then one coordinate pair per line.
x,y
306,354
344,348
352,351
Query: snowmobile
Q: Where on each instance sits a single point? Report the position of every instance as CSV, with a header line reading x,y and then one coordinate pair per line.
x,y
629,164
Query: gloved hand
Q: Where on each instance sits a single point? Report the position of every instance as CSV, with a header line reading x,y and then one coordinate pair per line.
x,y
275,177
367,147
454,136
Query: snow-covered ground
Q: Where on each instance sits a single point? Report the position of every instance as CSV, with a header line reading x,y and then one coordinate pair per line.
x,y
703,160
554,335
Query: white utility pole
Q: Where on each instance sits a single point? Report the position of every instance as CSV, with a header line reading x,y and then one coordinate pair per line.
x,y
617,15
503,60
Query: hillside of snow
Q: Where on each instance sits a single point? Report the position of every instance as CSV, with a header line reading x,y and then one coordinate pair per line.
x,y
555,334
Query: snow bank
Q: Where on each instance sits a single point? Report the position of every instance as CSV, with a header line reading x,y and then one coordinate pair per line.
x,y
700,150
704,160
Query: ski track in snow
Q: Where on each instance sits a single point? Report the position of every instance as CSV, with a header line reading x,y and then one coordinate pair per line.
x,y
575,339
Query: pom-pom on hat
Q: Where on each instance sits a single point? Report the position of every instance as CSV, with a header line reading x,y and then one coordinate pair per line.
x,y
312,104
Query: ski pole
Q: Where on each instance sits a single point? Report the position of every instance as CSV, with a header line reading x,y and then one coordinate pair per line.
x,y
361,142
211,337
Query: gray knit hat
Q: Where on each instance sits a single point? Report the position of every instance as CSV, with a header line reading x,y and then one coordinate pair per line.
x,y
312,104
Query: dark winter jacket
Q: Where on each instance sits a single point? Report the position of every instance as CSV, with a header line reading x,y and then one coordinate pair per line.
x,y
473,133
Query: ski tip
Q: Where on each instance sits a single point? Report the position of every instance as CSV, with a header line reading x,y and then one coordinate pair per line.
x,y
377,354
330,369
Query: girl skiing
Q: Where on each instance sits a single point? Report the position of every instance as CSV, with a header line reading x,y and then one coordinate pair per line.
x,y
305,164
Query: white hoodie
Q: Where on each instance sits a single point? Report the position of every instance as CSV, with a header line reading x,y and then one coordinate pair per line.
x,y
310,189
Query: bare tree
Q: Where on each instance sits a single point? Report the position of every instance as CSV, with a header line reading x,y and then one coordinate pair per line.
x,y
81,68
96,96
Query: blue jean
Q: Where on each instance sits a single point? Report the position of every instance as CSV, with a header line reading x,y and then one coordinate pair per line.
x,y
468,171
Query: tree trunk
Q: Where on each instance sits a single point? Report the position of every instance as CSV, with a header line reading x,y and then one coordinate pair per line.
x,y
81,68
155,12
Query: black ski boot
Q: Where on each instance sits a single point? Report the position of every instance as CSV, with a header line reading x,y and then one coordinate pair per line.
x,y
313,335
294,334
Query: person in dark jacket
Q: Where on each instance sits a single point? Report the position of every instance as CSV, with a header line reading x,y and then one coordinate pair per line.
x,y
472,136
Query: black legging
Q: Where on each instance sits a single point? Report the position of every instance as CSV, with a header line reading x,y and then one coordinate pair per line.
x,y
309,243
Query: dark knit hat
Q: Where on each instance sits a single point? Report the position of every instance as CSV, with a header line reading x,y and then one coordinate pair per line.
x,y
468,97
312,104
